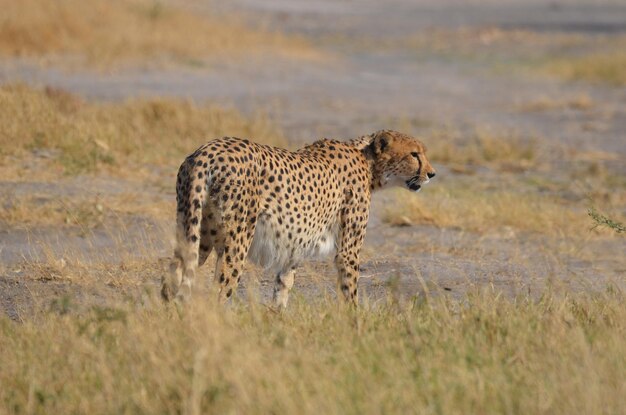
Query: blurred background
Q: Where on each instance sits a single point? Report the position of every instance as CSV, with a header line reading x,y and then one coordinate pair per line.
x,y
521,104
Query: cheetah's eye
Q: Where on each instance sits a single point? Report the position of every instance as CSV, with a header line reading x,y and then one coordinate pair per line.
x,y
415,154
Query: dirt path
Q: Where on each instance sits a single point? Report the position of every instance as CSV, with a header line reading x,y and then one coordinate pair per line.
x,y
122,259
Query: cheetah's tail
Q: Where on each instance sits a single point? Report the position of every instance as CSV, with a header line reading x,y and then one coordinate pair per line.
x,y
190,199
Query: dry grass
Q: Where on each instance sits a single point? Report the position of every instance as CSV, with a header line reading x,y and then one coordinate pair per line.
x,y
581,102
598,59
595,67
486,147
464,42
478,145
485,354
103,32
569,56
24,213
30,211
81,137
482,207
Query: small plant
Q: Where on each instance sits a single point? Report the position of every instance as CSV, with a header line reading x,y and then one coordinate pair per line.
x,y
602,220
62,305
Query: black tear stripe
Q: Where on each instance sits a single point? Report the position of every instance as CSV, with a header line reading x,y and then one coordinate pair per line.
x,y
419,159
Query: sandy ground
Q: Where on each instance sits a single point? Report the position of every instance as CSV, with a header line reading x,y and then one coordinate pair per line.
x,y
359,89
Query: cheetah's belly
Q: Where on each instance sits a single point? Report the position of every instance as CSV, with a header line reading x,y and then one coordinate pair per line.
x,y
278,253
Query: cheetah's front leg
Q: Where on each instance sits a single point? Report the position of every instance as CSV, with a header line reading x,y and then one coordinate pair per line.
x,y
348,268
353,222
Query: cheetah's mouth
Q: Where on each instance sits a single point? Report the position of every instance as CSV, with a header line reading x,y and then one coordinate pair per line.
x,y
413,185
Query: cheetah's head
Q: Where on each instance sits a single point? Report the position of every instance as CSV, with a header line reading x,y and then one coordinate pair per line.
x,y
400,159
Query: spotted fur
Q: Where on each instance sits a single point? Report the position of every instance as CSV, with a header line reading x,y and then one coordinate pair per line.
x,y
276,208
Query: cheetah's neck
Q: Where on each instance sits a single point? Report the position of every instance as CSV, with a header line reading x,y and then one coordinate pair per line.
x,y
377,175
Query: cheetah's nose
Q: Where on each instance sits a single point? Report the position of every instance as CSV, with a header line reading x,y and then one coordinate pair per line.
x,y
430,175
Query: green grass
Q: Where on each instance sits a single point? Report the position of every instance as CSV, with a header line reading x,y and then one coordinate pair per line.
x,y
484,354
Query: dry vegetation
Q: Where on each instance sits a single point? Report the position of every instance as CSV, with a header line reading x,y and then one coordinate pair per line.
x,y
512,204
603,67
88,212
485,354
24,212
580,102
105,32
569,56
80,137
477,208
484,147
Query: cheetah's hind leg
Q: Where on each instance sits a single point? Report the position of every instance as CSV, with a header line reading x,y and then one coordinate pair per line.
x,y
284,283
188,255
208,233
170,282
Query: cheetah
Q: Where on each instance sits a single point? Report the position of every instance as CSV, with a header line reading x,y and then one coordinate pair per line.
x,y
276,208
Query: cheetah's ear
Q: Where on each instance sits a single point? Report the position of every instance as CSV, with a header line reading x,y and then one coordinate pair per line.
x,y
381,141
